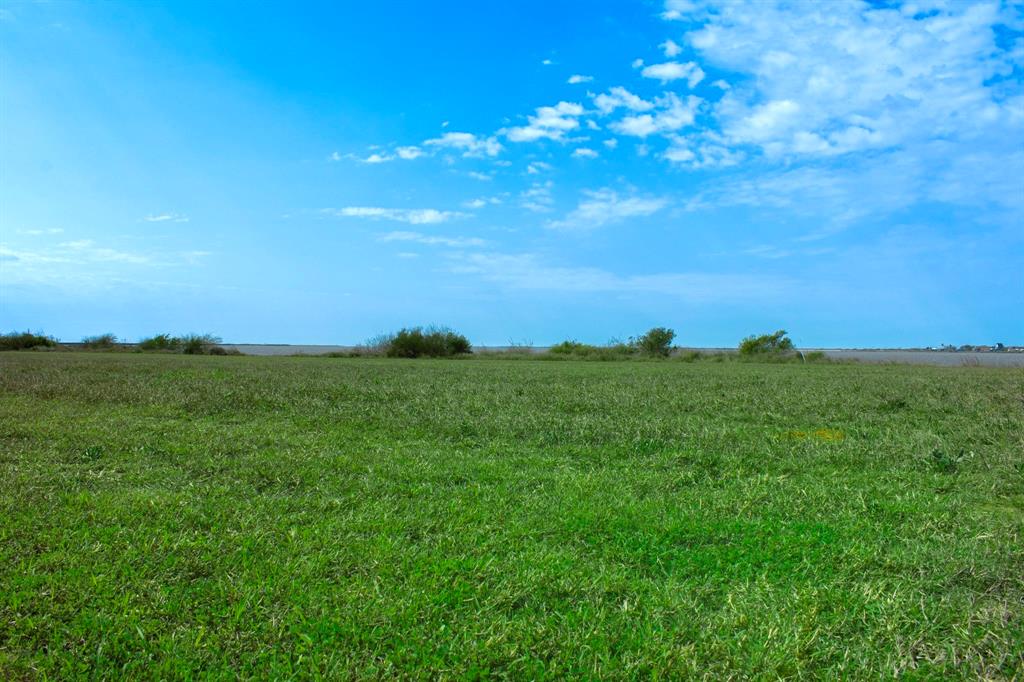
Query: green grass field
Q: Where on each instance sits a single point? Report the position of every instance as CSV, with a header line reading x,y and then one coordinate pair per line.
x,y
173,517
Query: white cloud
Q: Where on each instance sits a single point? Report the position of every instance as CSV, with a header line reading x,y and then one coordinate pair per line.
x,y
537,167
335,156
670,48
166,217
409,153
51,230
548,122
538,197
702,151
480,202
843,77
547,62
576,78
621,97
611,143
476,175
672,114
604,206
469,144
584,153
431,240
676,10
670,71
378,158
413,216
637,63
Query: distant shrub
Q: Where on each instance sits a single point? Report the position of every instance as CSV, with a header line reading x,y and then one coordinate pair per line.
x,y
100,342
766,344
160,342
198,344
221,350
26,341
568,347
190,344
689,356
656,343
574,350
431,342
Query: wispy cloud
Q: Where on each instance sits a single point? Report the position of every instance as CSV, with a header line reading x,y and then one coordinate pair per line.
x,y
672,114
38,232
529,271
538,197
577,78
621,97
584,153
671,71
166,217
548,122
409,153
433,240
480,202
670,48
413,216
605,206
469,144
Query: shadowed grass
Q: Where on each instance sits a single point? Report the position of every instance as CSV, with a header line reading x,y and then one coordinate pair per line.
x,y
173,516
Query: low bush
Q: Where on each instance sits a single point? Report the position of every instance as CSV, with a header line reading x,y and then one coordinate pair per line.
x,y
160,342
417,342
99,342
221,350
190,344
767,344
199,344
574,350
26,341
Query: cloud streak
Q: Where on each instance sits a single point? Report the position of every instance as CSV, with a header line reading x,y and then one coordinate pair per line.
x,y
413,216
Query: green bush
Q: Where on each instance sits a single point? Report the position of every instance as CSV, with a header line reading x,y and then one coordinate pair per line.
x,y
574,350
198,344
190,344
656,343
767,344
160,342
100,342
417,342
25,341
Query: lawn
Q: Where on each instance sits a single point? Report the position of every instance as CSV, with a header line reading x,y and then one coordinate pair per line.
x,y
164,516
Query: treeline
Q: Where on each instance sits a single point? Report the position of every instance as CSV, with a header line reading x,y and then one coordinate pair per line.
x,y
187,344
443,342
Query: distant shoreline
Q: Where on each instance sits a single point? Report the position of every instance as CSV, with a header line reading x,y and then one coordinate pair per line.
x,y
946,358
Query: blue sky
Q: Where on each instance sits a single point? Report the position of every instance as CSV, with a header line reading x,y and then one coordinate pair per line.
x,y
526,172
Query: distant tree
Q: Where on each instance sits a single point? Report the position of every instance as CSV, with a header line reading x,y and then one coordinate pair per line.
x,y
657,342
766,343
